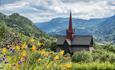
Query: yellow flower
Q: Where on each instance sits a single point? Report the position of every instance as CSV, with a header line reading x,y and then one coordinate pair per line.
x,y
38,60
24,45
4,50
56,57
61,52
40,44
17,47
31,40
68,66
33,48
24,53
43,51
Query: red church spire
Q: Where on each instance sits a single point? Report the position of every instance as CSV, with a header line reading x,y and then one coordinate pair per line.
x,y
70,32
70,23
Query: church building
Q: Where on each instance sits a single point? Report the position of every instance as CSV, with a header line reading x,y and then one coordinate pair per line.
x,y
72,43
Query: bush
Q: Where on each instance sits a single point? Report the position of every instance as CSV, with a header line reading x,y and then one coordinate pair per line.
x,y
103,56
83,56
110,48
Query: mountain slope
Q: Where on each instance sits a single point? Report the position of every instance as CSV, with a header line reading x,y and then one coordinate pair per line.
x,y
16,28
60,24
106,29
101,29
20,24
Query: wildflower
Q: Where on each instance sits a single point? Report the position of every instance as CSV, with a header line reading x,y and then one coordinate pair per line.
x,y
40,44
24,45
17,48
68,66
56,57
4,58
12,50
4,50
33,48
20,62
31,40
42,52
38,60
61,52
46,54
24,53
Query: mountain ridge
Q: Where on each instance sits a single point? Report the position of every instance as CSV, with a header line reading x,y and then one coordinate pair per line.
x,y
93,27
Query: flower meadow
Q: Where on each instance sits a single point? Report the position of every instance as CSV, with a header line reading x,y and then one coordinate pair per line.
x,y
31,56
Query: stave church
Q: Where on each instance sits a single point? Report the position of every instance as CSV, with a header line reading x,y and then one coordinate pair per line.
x,y
72,43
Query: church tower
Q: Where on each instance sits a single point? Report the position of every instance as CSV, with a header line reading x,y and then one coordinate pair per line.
x,y
70,31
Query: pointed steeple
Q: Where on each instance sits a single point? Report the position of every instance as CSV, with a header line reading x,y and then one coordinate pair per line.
x,y
70,31
70,22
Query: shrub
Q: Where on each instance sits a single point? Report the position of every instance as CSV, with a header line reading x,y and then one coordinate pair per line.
x,y
83,56
103,56
110,48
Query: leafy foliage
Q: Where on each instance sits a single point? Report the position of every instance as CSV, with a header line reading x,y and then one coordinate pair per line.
x,y
103,56
82,57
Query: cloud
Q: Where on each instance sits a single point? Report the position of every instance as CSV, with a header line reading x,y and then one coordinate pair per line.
x,y
14,5
2,2
44,10
85,1
74,1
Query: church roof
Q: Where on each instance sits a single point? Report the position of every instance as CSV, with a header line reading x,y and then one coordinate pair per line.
x,y
77,40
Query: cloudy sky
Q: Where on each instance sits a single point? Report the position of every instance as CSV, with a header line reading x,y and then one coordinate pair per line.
x,y
45,10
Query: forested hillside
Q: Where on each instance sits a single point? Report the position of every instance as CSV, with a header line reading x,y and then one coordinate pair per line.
x,y
17,28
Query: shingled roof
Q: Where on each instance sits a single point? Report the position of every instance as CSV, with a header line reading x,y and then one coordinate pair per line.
x,y
77,40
